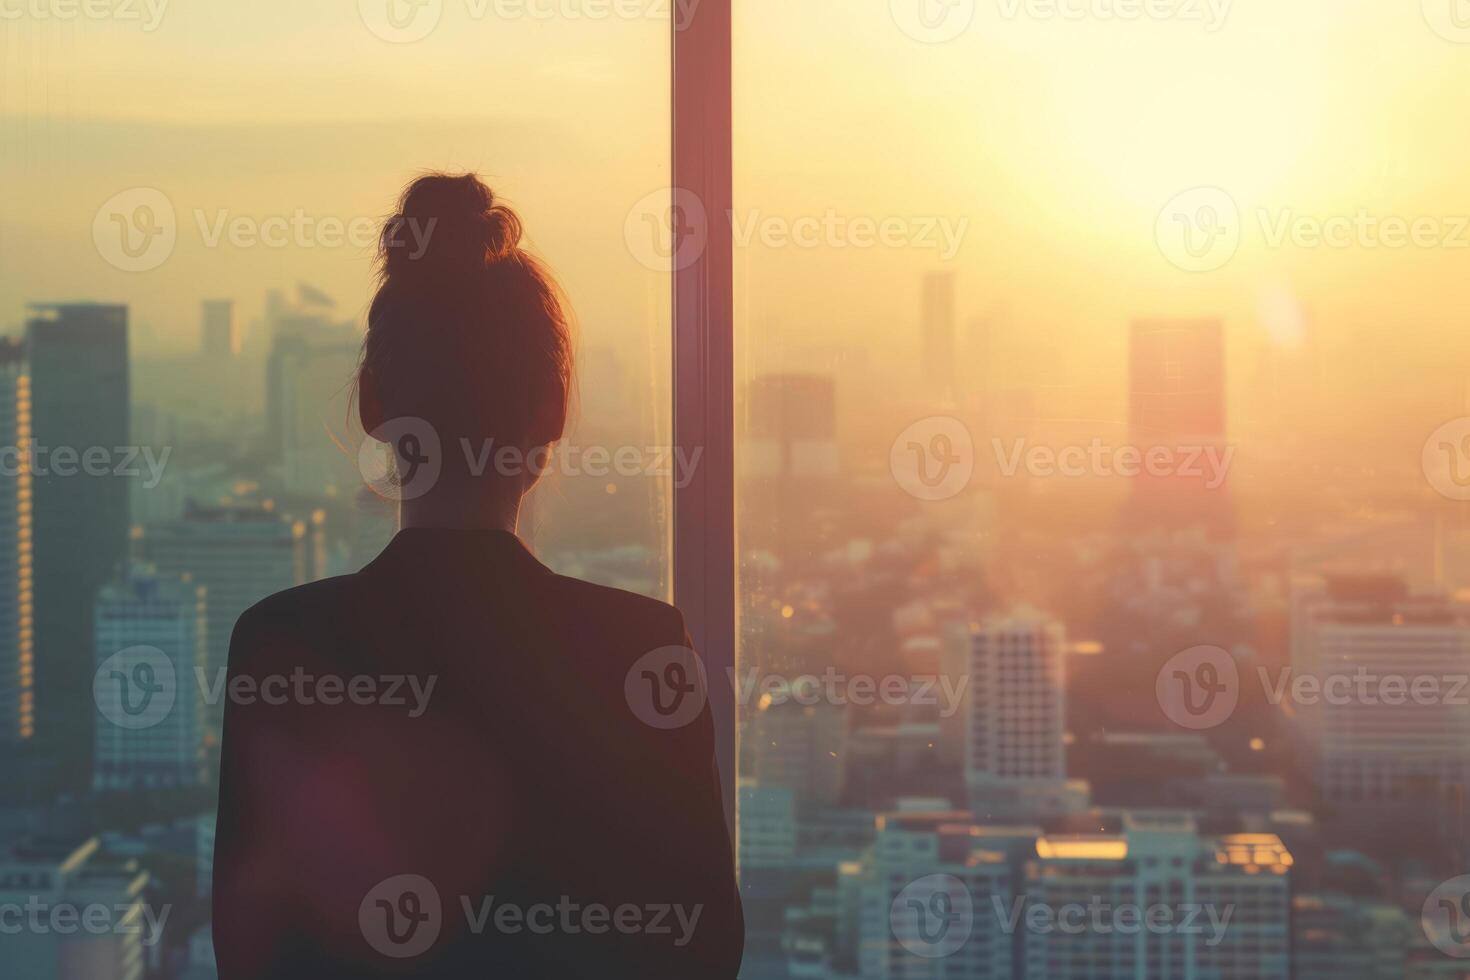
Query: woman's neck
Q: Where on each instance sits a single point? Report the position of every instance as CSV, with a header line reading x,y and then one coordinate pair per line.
x,y
470,510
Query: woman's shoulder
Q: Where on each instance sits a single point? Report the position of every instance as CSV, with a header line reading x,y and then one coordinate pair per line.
x,y
619,607
311,599
291,617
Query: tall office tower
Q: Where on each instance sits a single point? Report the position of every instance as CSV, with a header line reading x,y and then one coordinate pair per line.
x,y
1015,759
1177,403
219,330
308,381
53,877
151,632
801,746
241,554
767,827
1153,863
937,328
933,892
79,404
1249,874
17,623
1373,745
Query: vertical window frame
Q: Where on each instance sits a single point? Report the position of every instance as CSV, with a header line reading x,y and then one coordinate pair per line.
x,y
704,550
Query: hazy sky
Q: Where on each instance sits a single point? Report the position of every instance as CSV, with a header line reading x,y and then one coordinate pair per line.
x,y
1049,143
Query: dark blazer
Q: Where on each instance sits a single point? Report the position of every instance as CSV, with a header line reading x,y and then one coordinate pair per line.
x,y
437,768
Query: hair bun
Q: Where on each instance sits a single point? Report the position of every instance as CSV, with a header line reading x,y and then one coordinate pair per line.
x,y
448,225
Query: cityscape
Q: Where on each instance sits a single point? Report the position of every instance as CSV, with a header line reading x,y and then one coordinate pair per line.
x,y
1002,713
1102,452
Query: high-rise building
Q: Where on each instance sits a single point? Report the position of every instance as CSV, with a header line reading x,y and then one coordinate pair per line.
x,y
938,320
151,632
1365,638
240,554
1176,402
308,380
219,330
767,826
1157,900
1126,896
1015,756
932,888
17,619
106,944
80,408
800,743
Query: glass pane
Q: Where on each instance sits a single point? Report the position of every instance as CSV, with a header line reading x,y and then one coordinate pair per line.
x,y
193,197
1102,454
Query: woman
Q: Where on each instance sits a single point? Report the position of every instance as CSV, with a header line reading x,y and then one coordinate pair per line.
x,y
444,765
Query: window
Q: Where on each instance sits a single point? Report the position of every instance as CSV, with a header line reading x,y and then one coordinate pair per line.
x,y
1104,361
1050,417
193,198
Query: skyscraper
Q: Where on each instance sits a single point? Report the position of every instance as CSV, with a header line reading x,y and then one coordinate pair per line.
x,y
151,636
1015,760
55,877
241,554
17,622
800,743
767,826
1227,901
1398,656
308,378
219,330
931,889
80,404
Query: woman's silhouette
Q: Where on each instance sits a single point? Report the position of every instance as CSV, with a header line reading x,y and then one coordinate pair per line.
x,y
441,766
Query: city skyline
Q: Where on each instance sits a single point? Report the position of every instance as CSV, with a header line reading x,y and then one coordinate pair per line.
x,y
1099,384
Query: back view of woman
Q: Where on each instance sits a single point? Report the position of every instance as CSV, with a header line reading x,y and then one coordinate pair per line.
x,y
456,763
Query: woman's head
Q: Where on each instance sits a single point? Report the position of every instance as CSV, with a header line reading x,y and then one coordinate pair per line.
x,y
468,331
